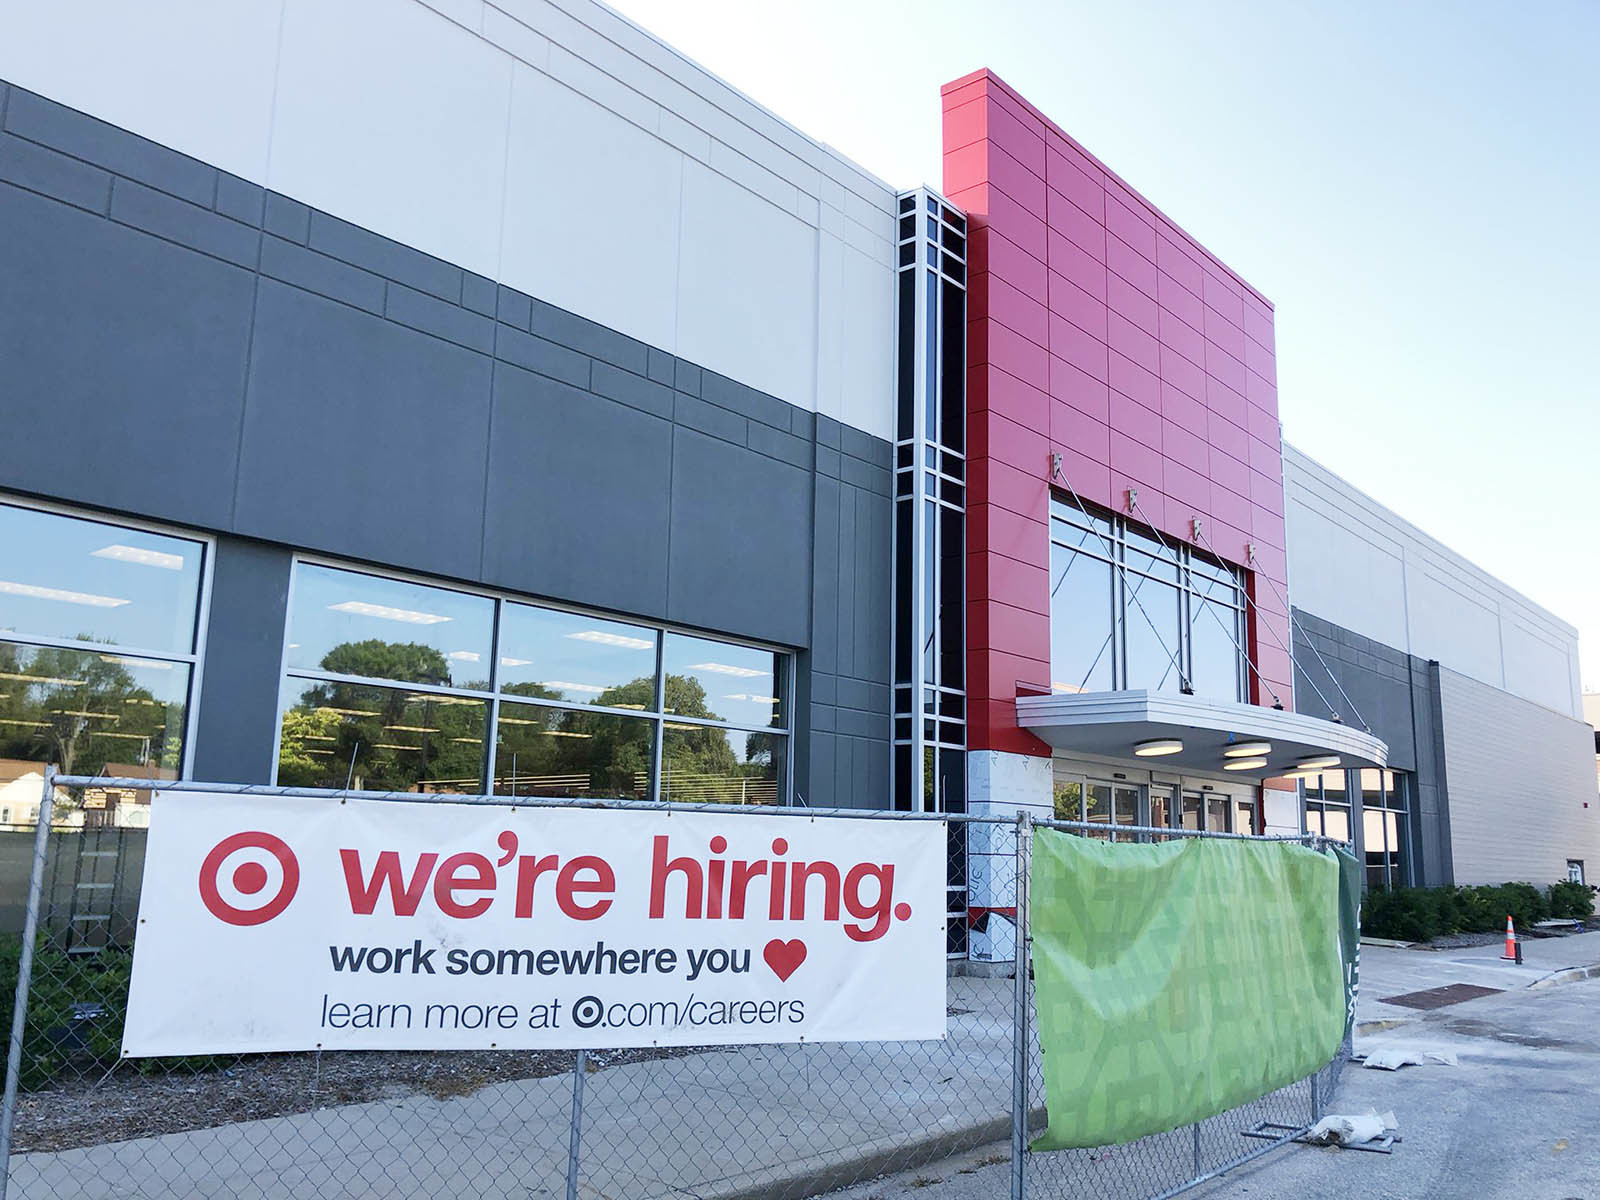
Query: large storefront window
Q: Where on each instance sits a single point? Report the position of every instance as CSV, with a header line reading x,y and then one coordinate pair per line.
x,y
1379,836
394,685
98,655
1127,611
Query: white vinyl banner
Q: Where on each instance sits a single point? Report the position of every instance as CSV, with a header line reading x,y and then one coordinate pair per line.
x,y
296,923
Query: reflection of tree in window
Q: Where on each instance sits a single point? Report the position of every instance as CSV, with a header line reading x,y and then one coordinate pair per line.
x,y
548,751
86,710
382,739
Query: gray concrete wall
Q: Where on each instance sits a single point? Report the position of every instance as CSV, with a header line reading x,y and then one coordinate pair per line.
x,y
1522,794
184,346
1393,693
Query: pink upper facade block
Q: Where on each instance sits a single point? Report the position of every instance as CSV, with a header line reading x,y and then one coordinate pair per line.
x,y
1104,333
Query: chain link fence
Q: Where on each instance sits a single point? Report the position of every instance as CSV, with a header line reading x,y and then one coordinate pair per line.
x,y
775,1122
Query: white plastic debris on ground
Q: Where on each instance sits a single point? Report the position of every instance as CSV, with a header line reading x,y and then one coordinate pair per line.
x,y
1392,1058
1339,1130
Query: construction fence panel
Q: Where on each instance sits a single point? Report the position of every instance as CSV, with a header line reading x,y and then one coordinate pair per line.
x,y
768,1121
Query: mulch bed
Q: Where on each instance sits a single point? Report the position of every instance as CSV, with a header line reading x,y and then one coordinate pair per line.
x,y
126,1103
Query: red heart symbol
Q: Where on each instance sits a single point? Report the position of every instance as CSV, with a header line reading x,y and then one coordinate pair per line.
x,y
784,957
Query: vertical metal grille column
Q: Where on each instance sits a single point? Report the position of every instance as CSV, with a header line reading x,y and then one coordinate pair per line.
x,y
930,692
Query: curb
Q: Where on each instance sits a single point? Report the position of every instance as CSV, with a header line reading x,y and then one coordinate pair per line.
x,y
1567,975
1367,1028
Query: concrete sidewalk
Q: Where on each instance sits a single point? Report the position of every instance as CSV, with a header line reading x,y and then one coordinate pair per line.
x,y
1386,971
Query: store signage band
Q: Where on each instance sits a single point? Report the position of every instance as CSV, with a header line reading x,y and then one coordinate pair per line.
x,y
297,923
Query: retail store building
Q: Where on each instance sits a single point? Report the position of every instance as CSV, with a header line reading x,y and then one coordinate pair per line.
x,y
483,396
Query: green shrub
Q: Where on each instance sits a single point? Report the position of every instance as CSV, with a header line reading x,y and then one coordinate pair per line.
x,y
77,1005
1572,900
1406,914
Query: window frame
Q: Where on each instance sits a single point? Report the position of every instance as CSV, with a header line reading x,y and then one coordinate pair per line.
x,y
1112,539
195,660
785,688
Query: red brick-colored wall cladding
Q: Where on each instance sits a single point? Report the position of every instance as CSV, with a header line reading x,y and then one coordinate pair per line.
x,y
1100,331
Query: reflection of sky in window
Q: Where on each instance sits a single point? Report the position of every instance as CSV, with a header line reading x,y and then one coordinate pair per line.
x,y
64,577
740,682
574,657
334,608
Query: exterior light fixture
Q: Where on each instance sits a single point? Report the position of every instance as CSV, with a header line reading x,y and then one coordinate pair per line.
x,y
1244,764
1317,764
1247,750
1157,747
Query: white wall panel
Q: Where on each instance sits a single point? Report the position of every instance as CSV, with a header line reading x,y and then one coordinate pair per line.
x,y
395,118
866,325
1453,625
553,146
195,75
571,235
1359,565
1358,576
1519,777
747,287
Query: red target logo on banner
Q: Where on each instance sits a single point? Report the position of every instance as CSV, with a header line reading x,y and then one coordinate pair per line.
x,y
236,878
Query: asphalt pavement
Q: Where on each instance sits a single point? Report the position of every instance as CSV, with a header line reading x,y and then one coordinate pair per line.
x,y
1517,1119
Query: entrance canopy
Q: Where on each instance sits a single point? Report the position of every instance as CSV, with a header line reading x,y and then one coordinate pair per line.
x,y
1178,732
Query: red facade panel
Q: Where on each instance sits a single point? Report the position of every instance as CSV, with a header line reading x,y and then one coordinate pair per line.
x,y
1103,333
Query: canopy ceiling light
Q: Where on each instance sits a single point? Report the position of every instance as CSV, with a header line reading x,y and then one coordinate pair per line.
x,y
1244,764
1247,750
1157,747
1317,764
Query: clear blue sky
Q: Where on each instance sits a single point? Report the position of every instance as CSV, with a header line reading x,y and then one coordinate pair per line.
x,y
1415,186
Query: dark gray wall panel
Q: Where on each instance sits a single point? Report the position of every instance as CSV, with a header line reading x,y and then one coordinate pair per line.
x,y
741,540
224,358
362,438
1391,691
121,360
578,494
244,652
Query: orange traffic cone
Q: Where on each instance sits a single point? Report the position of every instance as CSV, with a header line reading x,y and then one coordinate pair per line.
x,y
1513,951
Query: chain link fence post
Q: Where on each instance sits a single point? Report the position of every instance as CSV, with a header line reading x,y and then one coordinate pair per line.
x,y
19,1014
1020,1036
575,1139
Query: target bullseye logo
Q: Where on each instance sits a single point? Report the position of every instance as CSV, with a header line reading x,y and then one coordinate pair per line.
x,y
240,869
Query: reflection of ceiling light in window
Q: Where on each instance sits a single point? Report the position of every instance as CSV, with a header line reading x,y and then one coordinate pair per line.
x,y
753,699
1247,750
637,707
564,733
414,728
681,725
514,662
25,724
83,712
318,737
383,612
466,741
430,698
145,558
66,597
464,655
612,639
51,679
516,721
136,662
573,687
137,737
346,712
1244,764
319,751
393,746
725,669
